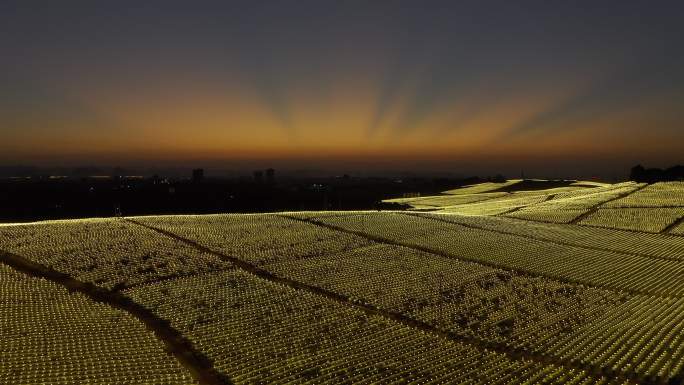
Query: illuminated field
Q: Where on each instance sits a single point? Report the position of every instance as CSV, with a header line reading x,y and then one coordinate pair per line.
x,y
579,284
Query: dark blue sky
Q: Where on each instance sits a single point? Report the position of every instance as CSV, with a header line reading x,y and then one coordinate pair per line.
x,y
165,81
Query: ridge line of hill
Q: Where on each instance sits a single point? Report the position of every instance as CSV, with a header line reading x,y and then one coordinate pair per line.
x,y
396,317
196,363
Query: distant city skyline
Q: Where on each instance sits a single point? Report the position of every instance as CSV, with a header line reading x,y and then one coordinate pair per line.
x,y
473,87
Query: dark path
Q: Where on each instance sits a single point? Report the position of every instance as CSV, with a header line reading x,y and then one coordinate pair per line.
x,y
436,217
501,348
197,364
671,226
474,260
595,207
397,317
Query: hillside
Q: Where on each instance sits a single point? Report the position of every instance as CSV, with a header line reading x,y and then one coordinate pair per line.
x,y
576,284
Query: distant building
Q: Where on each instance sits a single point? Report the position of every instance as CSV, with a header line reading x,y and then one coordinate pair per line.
x,y
197,175
258,176
270,176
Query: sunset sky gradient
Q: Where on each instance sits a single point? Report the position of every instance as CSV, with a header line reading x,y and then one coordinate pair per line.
x,y
498,85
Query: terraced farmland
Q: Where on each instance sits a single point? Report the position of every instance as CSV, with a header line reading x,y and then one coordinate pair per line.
x,y
572,285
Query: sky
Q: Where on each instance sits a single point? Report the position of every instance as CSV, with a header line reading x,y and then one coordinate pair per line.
x,y
553,87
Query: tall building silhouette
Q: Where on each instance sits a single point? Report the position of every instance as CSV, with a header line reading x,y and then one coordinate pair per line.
x,y
270,176
197,175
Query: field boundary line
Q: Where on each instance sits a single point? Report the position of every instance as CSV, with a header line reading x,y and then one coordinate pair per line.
x,y
436,217
515,209
442,195
668,230
372,310
661,232
595,207
196,363
481,262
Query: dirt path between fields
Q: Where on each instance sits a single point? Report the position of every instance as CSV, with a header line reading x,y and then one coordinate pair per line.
x,y
436,217
595,207
397,317
198,365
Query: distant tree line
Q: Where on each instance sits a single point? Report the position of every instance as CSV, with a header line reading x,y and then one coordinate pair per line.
x,y
652,175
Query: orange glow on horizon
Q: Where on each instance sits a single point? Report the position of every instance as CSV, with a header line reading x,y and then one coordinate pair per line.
x,y
233,122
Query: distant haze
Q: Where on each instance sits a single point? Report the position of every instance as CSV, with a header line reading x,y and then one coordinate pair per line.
x,y
576,88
